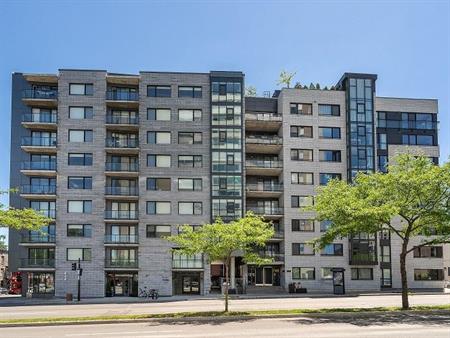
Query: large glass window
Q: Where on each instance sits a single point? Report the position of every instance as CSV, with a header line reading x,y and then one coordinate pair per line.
x,y
332,250
190,208
159,91
330,155
301,131
189,115
80,113
84,254
159,161
329,110
301,201
158,208
80,135
82,159
79,230
303,273
84,207
428,252
306,225
302,155
158,231
428,274
158,114
158,184
302,178
188,91
326,177
158,137
190,184
301,108
79,182
190,161
81,89
302,249
41,282
362,273
189,138
330,132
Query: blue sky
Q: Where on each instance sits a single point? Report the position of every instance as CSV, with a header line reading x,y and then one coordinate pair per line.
x,y
407,43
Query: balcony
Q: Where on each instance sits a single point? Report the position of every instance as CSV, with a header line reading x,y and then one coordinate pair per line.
x,y
39,144
122,169
277,258
38,191
269,212
122,99
263,167
38,239
112,263
121,239
406,124
181,262
267,122
44,168
264,190
122,145
40,121
223,167
50,213
118,215
37,264
122,122
278,235
122,191
362,258
40,98
263,144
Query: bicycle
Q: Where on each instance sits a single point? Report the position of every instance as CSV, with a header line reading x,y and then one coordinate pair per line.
x,y
153,293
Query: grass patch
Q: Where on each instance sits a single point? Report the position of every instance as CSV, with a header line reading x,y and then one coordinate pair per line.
x,y
175,315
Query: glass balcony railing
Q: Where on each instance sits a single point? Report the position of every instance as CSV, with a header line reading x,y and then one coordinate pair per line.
x,y
275,187
114,166
263,164
38,189
121,263
122,191
224,167
39,141
406,124
265,210
39,118
121,143
263,117
111,119
37,263
38,238
121,214
50,213
187,262
275,140
42,165
119,239
40,94
122,96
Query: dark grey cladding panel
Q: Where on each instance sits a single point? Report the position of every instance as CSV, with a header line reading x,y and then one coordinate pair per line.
x,y
261,104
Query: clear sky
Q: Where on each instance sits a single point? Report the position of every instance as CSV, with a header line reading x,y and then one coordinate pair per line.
x,y
407,43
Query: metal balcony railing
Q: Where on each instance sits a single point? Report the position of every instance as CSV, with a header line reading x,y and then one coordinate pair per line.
x,y
122,96
40,94
363,259
266,210
276,257
121,214
39,141
38,189
264,140
121,143
121,263
263,164
40,118
38,238
122,191
263,117
224,167
275,187
114,166
37,263
42,165
121,239
112,119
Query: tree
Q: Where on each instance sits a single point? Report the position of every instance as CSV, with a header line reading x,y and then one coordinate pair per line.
x,y
220,241
311,86
411,200
298,85
3,245
250,91
317,85
286,78
21,218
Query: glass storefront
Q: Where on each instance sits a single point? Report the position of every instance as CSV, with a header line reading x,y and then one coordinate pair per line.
x,y
41,283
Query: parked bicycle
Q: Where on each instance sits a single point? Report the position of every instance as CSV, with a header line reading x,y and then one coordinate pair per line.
x,y
148,293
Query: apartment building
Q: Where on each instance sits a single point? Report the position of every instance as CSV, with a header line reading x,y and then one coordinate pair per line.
x,y
121,160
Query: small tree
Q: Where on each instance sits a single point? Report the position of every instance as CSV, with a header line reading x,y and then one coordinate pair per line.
x,y
3,245
250,91
298,85
286,78
220,241
317,85
311,86
21,218
411,200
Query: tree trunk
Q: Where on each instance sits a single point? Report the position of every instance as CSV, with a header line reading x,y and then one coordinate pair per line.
x,y
405,301
227,266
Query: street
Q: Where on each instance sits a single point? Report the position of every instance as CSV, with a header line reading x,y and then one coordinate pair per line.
x,y
340,326
113,306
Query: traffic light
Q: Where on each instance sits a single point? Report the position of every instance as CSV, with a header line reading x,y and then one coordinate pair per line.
x,y
74,266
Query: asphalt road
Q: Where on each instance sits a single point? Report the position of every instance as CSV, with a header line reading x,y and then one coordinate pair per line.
x,y
74,310
329,326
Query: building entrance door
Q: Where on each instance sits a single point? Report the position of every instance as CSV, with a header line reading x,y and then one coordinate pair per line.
x,y
191,285
338,281
264,276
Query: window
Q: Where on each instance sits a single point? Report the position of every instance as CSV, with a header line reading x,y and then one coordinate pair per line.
x,y
330,132
158,208
301,131
189,138
330,155
84,159
329,110
302,249
324,178
303,273
76,254
428,274
158,231
302,178
325,225
301,108
187,91
79,182
190,208
425,140
80,113
362,273
158,161
81,89
79,230
84,207
158,114
189,115
80,135
190,161
306,225
333,250
158,137
428,252
301,201
191,184
382,141
382,163
326,273
159,91
158,184
302,155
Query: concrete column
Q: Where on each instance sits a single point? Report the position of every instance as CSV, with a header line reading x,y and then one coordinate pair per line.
x,y
233,273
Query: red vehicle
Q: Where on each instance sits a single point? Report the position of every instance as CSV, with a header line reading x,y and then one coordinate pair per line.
x,y
15,283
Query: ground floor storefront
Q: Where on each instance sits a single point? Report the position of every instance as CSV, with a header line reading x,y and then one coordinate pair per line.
x,y
187,283
121,284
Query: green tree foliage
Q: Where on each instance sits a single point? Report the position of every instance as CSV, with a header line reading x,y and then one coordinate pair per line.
x,y
21,218
411,200
286,78
3,245
250,91
219,241
298,85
